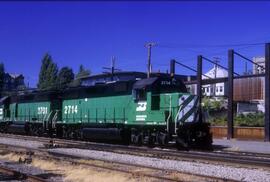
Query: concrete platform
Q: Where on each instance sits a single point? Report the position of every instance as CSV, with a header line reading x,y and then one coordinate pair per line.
x,y
242,145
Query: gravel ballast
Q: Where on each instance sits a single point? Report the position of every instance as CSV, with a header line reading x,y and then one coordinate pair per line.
x,y
244,146
228,172
21,143
224,171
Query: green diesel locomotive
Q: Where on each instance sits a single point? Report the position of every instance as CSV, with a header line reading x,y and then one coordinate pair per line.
x,y
147,111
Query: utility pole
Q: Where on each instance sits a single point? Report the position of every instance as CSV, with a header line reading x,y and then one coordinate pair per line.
x,y
246,71
112,68
216,60
149,66
112,64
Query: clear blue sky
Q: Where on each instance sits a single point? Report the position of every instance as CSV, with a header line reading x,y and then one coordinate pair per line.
x,y
89,33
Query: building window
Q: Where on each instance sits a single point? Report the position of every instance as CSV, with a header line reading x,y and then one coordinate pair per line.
x,y
221,89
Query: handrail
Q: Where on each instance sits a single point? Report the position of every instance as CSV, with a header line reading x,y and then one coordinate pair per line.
x,y
170,112
54,119
46,117
175,119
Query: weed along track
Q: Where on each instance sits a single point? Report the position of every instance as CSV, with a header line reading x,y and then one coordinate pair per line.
x,y
11,174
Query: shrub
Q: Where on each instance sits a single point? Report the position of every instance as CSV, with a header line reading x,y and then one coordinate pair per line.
x,y
251,120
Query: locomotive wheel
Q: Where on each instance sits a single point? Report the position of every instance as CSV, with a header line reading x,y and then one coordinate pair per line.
x,y
181,144
81,134
3,127
137,138
162,139
65,132
151,141
126,137
30,131
40,131
35,131
132,138
71,133
75,134
59,132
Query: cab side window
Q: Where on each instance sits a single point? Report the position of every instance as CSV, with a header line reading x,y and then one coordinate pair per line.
x,y
139,94
155,102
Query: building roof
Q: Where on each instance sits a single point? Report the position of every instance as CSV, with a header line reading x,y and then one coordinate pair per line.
x,y
14,75
103,75
217,72
258,59
137,75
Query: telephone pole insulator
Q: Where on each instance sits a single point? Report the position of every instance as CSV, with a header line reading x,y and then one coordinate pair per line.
x,y
149,66
112,69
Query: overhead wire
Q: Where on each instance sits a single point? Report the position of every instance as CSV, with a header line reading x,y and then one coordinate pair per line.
x,y
173,45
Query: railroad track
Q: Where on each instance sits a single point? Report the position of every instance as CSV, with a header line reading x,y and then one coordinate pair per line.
x,y
239,158
16,175
133,169
70,158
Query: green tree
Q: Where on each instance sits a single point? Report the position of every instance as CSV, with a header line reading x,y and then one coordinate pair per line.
x,y
48,73
65,77
206,103
216,105
82,72
2,75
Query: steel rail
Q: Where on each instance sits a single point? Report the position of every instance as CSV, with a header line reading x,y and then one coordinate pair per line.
x,y
112,147
259,160
21,176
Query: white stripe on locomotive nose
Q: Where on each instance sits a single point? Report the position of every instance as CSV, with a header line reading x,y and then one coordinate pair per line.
x,y
186,109
183,98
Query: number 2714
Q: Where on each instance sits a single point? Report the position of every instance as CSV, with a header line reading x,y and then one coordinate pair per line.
x,y
71,109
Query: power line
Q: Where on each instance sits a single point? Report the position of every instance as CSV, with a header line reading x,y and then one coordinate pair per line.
x,y
171,45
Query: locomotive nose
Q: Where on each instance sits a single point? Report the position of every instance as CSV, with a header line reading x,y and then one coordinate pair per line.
x,y
188,105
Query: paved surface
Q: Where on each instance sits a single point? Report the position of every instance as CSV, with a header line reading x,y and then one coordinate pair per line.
x,y
242,145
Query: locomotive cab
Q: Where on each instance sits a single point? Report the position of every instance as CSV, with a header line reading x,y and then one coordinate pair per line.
x,y
167,98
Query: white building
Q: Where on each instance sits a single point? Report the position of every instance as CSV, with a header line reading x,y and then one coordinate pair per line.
x,y
217,89
259,61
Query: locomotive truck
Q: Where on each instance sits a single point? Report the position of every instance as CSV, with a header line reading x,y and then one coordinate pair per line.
x,y
146,111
